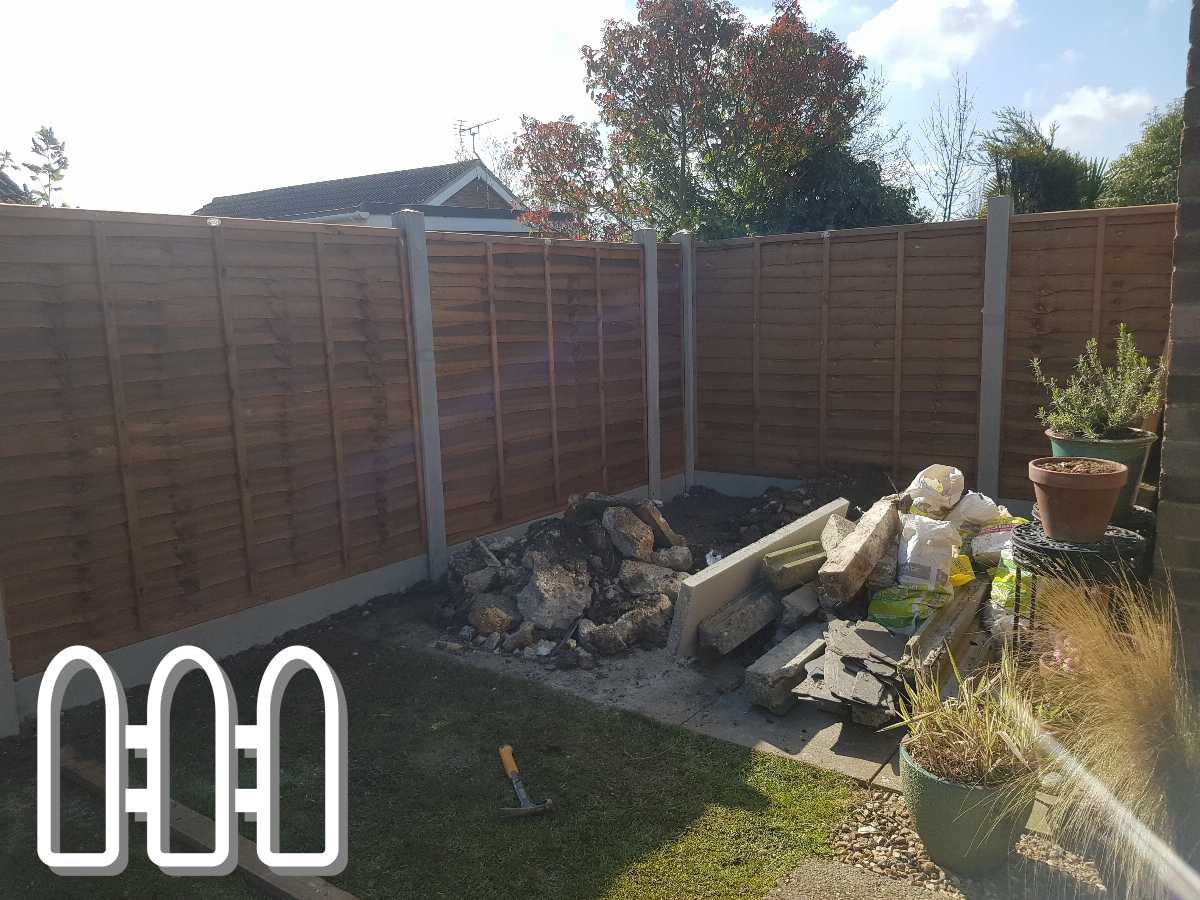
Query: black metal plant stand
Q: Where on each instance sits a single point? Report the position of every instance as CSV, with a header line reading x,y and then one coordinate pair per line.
x,y
1118,556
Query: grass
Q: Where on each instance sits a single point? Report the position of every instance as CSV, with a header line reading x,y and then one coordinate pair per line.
x,y
645,810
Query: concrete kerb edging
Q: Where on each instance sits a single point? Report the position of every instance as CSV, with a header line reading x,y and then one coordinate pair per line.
x,y
709,589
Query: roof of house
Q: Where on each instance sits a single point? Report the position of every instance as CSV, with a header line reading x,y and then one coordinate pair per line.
x,y
10,190
386,192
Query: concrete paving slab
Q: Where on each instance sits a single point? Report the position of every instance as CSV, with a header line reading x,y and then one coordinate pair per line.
x,y
888,778
804,734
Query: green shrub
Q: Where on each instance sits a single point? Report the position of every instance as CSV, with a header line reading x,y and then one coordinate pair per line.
x,y
1100,401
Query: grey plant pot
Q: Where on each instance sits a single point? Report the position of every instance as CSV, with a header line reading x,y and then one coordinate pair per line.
x,y
967,829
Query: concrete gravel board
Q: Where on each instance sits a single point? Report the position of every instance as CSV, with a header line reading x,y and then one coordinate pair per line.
x,y
708,590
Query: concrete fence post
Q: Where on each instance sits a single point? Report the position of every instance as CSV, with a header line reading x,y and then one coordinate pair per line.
x,y
648,238
991,368
687,291
10,721
429,438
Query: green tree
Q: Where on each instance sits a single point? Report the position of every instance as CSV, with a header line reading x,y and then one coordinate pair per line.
x,y
1038,175
1147,172
706,122
53,164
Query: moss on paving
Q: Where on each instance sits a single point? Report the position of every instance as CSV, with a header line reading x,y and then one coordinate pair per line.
x,y
644,810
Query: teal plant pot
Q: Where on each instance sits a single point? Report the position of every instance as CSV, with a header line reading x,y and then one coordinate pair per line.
x,y
970,830
1133,452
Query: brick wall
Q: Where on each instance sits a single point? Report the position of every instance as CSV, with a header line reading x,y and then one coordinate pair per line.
x,y
1178,548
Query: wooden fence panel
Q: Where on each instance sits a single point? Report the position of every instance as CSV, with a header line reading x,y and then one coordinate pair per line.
x,y
539,349
198,419
670,360
1073,276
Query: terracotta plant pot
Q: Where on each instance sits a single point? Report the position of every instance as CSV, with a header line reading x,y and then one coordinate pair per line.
x,y
1076,495
1133,451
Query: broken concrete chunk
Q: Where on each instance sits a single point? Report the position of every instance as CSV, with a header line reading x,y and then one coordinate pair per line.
x,y
519,639
630,535
836,530
884,573
863,640
481,580
491,613
664,534
814,692
772,676
677,558
738,620
544,647
603,640
793,566
646,624
799,605
554,597
641,578
846,570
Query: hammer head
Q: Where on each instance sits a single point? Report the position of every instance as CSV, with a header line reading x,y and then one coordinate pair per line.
x,y
532,809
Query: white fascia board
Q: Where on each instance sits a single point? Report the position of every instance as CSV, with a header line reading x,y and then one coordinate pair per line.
x,y
468,224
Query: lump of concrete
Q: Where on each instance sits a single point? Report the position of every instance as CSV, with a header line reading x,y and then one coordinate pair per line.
x,y
846,570
739,620
677,558
791,567
772,676
554,597
631,536
481,580
641,578
519,639
491,643
646,624
544,647
799,605
664,534
836,530
603,640
492,613
884,573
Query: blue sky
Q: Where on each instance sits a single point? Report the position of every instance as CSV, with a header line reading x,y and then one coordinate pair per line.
x,y
164,105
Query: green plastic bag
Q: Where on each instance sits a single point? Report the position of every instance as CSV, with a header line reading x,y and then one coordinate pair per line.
x,y
902,608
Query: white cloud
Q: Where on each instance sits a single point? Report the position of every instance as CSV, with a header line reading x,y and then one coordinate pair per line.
x,y
164,105
1070,56
1088,116
923,40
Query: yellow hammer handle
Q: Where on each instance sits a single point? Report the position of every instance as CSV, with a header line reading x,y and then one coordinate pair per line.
x,y
506,758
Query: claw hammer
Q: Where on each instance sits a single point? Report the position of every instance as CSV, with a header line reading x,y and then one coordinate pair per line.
x,y
527,807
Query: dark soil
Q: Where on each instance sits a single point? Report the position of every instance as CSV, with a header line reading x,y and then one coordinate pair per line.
x,y
713,521
1080,466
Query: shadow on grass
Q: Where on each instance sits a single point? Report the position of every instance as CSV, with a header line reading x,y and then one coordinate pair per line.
x,y
643,809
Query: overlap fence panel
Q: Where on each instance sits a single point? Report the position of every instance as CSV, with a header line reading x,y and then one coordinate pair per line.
x,y
197,419
864,346
540,374
797,339
1072,276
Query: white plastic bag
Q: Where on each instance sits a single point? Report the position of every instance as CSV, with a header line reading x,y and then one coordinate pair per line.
x,y
927,550
973,510
936,488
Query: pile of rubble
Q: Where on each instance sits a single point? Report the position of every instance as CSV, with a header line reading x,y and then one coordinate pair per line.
x,y
601,579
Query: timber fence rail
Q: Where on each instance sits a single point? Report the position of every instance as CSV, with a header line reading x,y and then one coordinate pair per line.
x,y
202,416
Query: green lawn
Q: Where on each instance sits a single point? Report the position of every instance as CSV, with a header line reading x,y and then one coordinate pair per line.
x,y
644,810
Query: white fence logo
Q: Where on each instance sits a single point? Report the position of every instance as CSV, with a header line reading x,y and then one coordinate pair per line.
x,y
260,740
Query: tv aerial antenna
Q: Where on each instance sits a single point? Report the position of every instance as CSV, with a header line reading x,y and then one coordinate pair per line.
x,y
462,128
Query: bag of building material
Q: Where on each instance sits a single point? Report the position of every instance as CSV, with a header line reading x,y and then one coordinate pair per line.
x,y
961,571
997,612
973,511
993,538
927,551
935,490
903,609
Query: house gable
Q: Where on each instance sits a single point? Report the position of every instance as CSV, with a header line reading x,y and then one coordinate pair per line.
x,y
479,195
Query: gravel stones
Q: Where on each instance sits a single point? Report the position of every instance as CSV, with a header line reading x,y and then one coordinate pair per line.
x,y
877,836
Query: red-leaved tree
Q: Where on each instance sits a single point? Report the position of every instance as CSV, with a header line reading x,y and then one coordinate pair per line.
x,y
700,113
